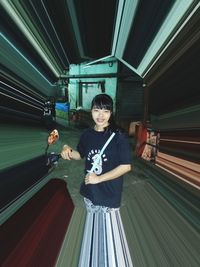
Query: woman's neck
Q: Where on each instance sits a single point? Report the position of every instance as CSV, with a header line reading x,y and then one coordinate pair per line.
x,y
99,128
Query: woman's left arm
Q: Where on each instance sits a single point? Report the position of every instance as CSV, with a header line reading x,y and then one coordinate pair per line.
x,y
92,178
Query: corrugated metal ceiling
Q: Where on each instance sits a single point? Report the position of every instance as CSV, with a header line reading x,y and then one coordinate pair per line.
x,y
54,34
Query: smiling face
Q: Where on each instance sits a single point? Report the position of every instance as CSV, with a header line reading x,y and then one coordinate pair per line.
x,y
102,107
101,118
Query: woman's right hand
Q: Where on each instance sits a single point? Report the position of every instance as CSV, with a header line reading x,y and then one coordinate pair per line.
x,y
67,152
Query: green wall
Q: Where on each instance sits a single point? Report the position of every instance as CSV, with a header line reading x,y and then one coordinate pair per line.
x,y
90,86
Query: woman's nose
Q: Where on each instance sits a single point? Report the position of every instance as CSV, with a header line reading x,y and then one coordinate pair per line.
x,y
101,114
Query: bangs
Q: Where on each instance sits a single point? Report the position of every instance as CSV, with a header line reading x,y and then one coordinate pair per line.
x,y
102,101
102,106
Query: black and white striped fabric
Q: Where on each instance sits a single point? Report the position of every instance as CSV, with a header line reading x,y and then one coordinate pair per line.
x,y
104,242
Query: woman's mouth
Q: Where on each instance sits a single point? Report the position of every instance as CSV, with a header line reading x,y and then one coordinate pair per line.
x,y
100,120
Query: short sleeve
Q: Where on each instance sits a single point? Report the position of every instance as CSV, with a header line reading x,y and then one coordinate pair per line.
x,y
80,148
81,145
124,149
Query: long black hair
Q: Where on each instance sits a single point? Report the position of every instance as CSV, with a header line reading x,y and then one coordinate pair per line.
x,y
104,101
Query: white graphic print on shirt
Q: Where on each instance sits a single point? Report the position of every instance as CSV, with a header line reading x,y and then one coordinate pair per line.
x,y
92,155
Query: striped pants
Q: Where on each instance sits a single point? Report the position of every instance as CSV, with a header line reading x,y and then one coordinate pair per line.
x,y
104,242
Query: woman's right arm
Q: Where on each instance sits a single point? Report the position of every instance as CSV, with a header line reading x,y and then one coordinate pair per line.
x,y
68,153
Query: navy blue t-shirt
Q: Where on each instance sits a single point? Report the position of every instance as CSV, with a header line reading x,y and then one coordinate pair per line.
x,y
117,152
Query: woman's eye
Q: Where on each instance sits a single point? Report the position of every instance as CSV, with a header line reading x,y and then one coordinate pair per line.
x,y
106,111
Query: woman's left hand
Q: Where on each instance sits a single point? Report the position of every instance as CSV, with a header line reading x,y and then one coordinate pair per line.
x,y
92,178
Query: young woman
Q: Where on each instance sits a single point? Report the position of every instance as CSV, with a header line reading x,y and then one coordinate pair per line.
x,y
104,242
103,187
